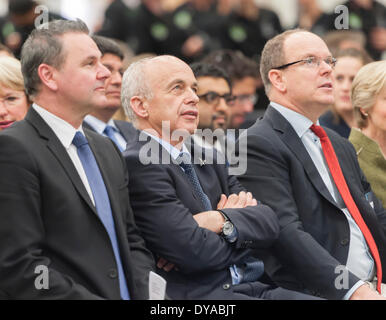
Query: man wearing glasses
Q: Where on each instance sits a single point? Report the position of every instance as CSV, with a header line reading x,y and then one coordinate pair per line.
x,y
332,238
244,75
216,99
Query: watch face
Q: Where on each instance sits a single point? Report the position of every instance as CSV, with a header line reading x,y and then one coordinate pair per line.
x,y
227,228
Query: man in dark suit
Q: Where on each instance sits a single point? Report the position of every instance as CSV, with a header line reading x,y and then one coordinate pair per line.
x,y
203,253
67,228
323,246
100,120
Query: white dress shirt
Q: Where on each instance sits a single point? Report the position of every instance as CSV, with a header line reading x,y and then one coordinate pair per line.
x,y
66,133
359,260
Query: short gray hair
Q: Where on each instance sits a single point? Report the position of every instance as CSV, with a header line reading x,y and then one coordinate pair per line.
x,y
273,55
134,83
45,46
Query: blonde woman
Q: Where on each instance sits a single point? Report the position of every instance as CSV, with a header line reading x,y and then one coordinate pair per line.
x,y
13,100
369,102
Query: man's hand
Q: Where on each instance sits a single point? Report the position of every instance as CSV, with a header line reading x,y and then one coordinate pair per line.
x,y
165,265
214,220
242,200
211,220
365,293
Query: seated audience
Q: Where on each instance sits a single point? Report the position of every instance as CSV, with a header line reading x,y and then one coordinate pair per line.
x,y
100,120
332,240
14,103
369,101
340,117
203,253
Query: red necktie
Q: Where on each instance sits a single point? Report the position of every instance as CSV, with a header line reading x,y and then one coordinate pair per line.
x,y
337,175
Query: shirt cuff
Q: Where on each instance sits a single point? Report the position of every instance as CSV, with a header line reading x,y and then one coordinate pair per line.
x,y
349,293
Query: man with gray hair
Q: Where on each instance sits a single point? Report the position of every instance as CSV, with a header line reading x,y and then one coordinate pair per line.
x,y
67,228
332,238
196,218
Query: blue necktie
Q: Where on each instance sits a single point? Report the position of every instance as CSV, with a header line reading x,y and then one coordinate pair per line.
x,y
184,160
102,202
109,131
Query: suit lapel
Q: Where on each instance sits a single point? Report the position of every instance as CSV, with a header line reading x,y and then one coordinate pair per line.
x,y
289,136
60,153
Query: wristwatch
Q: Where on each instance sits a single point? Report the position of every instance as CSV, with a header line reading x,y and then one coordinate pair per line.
x,y
228,229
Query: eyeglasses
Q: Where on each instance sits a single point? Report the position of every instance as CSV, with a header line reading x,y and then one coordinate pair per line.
x,y
212,97
312,62
243,98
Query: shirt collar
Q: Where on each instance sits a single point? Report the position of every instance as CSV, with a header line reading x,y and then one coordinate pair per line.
x,y
98,125
173,151
299,122
62,129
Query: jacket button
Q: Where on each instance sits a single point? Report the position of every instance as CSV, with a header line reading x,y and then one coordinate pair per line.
x,y
344,241
226,286
113,274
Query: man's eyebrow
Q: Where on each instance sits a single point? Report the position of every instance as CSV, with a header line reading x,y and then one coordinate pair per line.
x,y
176,81
90,58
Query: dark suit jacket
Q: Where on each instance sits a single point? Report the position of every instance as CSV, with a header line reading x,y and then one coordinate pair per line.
x,y
164,203
47,218
315,235
125,128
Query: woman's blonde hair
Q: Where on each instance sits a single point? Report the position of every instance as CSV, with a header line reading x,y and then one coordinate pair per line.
x,y
366,86
10,73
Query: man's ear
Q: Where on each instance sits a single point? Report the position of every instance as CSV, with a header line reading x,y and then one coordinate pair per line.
x,y
278,80
140,106
47,76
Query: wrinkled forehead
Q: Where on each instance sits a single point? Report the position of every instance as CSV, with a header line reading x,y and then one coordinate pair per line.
x,y
304,44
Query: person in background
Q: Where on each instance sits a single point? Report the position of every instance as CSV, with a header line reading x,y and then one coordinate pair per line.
x,y
369,101
340,117
245,78
23,17
248,27
5,51
337,40
14,103
100,120
312,18
214,90
369,16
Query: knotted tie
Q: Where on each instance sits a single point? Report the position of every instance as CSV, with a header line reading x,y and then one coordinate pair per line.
x,y
102,201
185,163
337,175
109,131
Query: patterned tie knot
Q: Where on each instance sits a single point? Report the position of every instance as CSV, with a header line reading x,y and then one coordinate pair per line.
x,y
319,131
184,160
79,139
